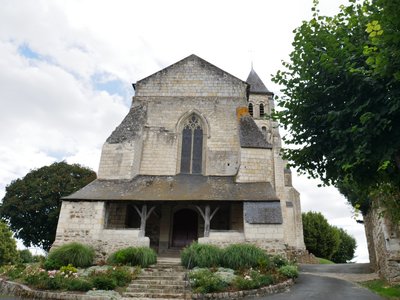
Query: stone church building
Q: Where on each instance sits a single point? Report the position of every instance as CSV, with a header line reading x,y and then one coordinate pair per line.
x,y
195,159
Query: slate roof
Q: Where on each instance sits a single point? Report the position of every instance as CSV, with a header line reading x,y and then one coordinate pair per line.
x,y
175,188
193,57
130,127
256,84
250,135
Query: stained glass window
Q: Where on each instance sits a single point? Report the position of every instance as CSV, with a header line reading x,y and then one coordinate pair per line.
x,y
192,146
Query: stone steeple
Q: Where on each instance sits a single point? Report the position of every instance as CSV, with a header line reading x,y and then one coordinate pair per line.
x,y
256,84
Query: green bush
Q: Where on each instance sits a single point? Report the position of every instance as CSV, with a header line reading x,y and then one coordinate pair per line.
x,y
8,245
77,284
289,271
77,254
102,281
12,271
70,269
25,256
201,255
204,281
51,283
252,280
243,256
278,261
122,275
133,256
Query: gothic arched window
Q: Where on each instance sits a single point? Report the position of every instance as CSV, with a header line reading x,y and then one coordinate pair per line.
x,y
262,110
251,109
192,146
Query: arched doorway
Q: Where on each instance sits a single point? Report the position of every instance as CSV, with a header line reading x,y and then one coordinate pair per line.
x,y
184,229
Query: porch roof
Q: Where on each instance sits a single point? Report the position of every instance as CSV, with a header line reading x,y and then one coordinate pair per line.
x,y
175,188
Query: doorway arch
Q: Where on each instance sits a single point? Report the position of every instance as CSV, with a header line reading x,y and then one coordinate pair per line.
x,y
185,228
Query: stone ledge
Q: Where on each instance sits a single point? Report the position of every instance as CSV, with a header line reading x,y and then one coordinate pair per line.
x,y
266,290
20,290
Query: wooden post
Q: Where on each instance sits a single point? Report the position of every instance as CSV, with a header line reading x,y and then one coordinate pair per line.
x,y
207,218
144,215
207,221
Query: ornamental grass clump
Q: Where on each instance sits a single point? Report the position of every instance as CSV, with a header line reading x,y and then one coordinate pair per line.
x,y
76,254
243,256
201,255
133,256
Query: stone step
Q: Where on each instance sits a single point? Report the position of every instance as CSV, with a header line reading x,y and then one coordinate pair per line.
x,y
167,265
135,284
156,290
166,271
158,281
155,295
161,277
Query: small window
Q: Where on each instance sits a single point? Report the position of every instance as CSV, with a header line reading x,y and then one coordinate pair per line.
x,y
251,109
262,110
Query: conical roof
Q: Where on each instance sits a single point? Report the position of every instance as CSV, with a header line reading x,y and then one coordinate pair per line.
x,y
256,84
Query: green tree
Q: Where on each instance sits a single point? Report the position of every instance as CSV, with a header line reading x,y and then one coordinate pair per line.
x,y
8,246
321,239
32,204
341,99
347,247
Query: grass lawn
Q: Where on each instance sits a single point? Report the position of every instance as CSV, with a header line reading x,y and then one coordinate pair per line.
x,y
323,261
383,289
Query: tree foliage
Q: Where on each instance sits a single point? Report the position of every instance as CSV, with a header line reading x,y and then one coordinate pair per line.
x,y
32,204
321,239
346,249
341,102
327,241
8,246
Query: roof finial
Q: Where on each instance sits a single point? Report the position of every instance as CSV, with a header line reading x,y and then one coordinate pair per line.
x,y
251,57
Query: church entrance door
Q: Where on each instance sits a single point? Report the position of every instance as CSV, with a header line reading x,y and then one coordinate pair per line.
x,y
184,228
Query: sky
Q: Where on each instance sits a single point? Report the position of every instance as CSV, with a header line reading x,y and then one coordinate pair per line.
x,y
67,68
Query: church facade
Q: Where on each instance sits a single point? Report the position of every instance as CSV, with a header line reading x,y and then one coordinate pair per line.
x,y
195,159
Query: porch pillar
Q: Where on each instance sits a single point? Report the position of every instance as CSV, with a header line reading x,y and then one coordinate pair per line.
x,y
207,218
144,215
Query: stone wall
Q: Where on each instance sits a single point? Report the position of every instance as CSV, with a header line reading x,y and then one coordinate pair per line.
x,y
83,222
256,100
383,239
162,135
255,165
187,78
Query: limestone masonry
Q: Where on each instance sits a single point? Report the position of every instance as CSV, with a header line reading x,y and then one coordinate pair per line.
x,y
195,159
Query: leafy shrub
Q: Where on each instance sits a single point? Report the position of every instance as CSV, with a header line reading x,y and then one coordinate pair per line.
x,y
70,269
201,255
133,256
76,254
122,275
204,281
52,264
278,261
102,281
12,271
226,275
78,284
289,271
51,283
252,280
25,256
243,256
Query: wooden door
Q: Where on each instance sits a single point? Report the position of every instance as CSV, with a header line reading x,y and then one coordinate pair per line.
x,y
184,228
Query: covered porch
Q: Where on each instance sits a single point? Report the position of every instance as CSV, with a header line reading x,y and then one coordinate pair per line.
x,y
175,224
